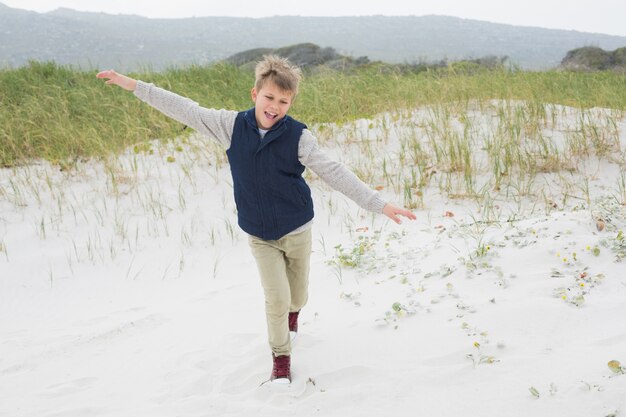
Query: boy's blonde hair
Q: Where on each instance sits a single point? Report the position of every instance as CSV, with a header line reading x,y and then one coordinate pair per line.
x,y
279,71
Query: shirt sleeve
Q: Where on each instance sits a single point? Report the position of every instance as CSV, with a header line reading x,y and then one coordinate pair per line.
x,y
216,124
337,175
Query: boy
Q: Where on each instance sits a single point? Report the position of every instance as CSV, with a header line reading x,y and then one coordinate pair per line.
x,y
268,152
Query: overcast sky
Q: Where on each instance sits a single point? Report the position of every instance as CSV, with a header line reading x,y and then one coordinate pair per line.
x,y
602,16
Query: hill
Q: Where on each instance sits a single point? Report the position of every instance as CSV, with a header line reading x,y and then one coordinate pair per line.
x,y
129,42
305,55
591,58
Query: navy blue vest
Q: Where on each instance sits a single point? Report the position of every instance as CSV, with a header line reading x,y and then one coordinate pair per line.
x,y
271,196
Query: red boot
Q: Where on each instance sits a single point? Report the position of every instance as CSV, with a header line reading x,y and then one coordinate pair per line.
x,y
281,372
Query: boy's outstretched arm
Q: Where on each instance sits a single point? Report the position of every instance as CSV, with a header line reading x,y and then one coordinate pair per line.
x,y
216,124
342,179
123,81
392,211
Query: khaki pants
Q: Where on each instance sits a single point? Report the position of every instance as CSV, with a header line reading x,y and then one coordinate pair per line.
x,y
284,268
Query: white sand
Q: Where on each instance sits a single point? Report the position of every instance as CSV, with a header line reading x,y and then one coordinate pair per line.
x,y
117,302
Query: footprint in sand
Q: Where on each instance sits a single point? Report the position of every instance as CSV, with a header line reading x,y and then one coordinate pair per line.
x,y
456,358
246,375
195,374
78,412
243,345
611,340
68,387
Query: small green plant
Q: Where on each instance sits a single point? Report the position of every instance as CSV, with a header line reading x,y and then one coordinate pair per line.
x,y
352,257
481,250
616,244
352,296
143,147
583,284
478,357
398,311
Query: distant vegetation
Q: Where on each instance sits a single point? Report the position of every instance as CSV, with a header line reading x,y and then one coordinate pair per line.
x,y
60,114
305,55
592,58
312,57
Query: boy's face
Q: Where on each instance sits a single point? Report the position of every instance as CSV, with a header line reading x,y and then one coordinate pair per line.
x,y
271,104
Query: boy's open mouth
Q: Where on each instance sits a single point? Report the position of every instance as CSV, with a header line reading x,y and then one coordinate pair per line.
x,y
270,116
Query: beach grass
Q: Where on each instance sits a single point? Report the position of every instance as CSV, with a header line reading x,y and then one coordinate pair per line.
x,y
61,114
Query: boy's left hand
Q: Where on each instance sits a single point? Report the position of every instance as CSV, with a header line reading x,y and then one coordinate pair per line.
x,y
392,211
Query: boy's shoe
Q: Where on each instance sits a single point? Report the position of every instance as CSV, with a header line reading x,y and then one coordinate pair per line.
x,y
281,371
293,324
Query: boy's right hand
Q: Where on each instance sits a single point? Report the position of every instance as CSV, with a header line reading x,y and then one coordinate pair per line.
x,y
121,80
392,212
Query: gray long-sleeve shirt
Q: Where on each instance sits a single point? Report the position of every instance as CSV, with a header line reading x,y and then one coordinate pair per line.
x,y
219,125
